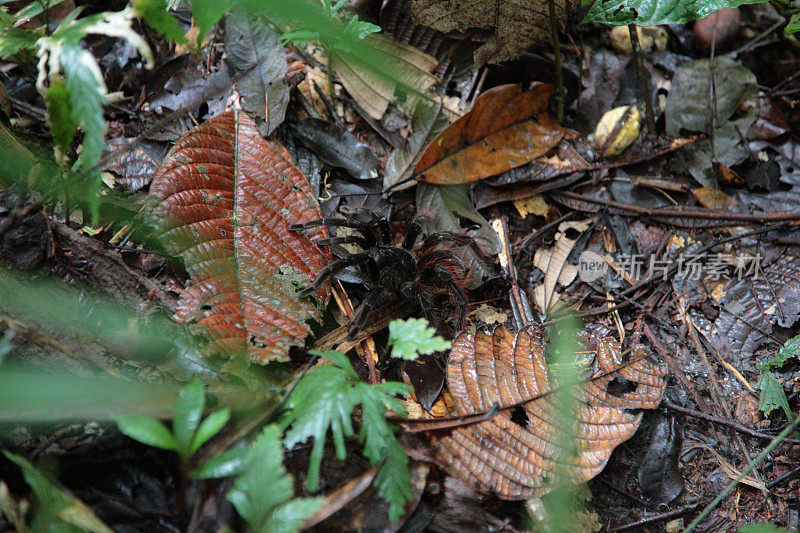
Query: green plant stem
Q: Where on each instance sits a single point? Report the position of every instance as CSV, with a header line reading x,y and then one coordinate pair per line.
x,y
750,467
557,53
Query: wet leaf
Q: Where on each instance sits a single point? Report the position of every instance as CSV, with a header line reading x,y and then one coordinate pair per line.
x,y
258,63
428,121
448,205
656,12
337,147
516,26
519,460
659,474
226,198
752,305
772,395
506,128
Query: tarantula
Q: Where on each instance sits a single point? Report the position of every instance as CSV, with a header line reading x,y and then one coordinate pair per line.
x,y
430,274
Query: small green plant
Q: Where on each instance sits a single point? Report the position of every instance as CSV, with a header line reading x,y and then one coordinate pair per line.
x,y
324,401
56,510
188,433
353,29
761,528
414,337
772,394
263,494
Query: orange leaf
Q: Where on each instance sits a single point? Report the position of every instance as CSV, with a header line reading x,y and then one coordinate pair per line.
x,y
521,460
506,128
226,198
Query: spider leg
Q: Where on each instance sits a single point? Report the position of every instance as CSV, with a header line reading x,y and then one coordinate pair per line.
x,y
357,239
333,268
414,230
367,233
359,320
373,220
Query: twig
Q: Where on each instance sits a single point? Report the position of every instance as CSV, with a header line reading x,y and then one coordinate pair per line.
x,y
705,214
366,349
557,53
750,467
641,79
724,422
519,301
659,517
784,478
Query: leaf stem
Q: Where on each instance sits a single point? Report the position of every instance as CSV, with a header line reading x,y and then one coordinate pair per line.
x,y
750,467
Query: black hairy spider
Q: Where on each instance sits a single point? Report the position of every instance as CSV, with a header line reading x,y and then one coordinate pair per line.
x,y
430,274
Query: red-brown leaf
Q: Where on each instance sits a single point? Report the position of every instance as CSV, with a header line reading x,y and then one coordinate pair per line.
x,y
506,128
501,456
226,198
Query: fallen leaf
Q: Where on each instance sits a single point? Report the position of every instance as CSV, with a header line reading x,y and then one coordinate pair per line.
x,y
553,262
337,147
506,128
258,63
226,198
659,474
516,25
374,87
517,460
714,199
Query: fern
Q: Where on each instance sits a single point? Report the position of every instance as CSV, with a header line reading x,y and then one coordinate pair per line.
x,y
413,337
772,394
323,402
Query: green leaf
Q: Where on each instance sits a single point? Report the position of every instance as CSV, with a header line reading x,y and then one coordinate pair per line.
x,y
656,12
772,395
148,431
229,463
188,410
207,13
794,24
324,400
413,337
263,493
761,528
87,90
157,16
62,124
56,511
790,350
14,41
210,427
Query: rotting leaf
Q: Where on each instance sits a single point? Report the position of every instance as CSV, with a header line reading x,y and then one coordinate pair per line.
x,y
226,198
448,205
659,474
257,60
519,461
750,306
553,262
337,147
506,128
517,25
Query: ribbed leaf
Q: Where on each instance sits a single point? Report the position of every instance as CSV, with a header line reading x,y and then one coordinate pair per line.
x,y
520,460
226,198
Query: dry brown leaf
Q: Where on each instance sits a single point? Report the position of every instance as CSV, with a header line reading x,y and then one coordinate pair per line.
x,y
506,128
553,262
518,461
372,90
714,199
517,25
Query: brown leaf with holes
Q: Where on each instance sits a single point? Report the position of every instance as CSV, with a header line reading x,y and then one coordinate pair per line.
x,y
226,198
506,128
516,25
516,461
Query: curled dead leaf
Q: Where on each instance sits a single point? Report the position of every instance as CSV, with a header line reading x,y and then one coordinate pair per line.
x,y
495,368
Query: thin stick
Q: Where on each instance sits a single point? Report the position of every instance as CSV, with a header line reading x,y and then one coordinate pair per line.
x,y
557,53
750,467
641,79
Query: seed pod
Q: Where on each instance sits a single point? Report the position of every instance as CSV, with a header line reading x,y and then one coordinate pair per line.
x,y
617,130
